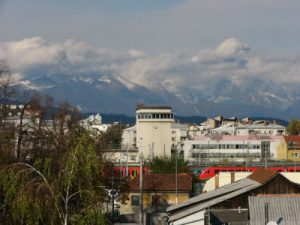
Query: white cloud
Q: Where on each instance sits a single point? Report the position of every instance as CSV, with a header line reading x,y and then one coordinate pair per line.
x,y
136,53
231,47
230,59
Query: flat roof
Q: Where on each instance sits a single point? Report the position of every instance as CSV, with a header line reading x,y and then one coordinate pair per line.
x,y
152,107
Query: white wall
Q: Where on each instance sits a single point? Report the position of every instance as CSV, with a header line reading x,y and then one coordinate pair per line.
x,y
154,135
194,219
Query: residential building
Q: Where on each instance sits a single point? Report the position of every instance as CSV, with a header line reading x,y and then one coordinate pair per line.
x,y
224,178
94,124
179,133
129,138
159,191
289,148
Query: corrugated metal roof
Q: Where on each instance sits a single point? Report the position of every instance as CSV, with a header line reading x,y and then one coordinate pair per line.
x,y
219,195
284,211
212,202
215,193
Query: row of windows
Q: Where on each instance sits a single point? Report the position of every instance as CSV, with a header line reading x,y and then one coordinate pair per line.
x,y
155,116
226,146
226,155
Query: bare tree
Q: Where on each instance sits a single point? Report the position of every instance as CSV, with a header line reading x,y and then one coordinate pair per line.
x,y
6,89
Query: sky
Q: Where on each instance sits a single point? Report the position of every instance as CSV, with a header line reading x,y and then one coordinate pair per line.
x,y
156,26
178,43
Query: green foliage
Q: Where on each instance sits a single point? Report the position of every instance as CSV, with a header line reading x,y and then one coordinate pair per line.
x,y
293,127
168,165
55,190
112,138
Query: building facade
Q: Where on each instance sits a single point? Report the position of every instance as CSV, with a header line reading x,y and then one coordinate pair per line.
x,y
153,129
227,148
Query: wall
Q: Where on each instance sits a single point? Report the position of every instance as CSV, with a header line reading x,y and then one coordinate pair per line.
x,y
169,197
154,135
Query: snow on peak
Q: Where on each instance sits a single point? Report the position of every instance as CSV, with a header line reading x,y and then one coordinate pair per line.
x,y
126,82
105,79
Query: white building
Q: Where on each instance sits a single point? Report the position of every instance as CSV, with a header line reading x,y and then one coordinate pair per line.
x,y
153,129
227,148
129,138
94,123
260,128
179,132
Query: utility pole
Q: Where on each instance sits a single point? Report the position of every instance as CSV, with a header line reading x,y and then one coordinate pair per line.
x,y
141,189
127,162
113,194
176,176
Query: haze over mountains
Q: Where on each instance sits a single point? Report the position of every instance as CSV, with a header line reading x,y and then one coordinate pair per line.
x,y
229,79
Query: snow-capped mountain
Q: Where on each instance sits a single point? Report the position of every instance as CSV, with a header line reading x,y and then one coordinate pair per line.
x,y
110,94
227,79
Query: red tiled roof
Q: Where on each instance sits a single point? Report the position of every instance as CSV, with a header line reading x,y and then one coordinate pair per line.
x,y
292,138
162,182
263,175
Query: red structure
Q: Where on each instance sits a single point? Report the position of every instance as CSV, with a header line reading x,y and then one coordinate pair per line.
x,y
212,171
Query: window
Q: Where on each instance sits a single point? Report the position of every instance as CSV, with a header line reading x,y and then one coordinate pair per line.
x,y
135,200
294,154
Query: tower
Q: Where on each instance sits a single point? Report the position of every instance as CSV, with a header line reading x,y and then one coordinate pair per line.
x,y
153,130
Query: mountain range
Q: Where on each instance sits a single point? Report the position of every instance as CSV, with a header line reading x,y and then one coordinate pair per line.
x,y
115,94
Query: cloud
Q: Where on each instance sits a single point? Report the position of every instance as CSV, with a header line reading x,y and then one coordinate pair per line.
x,y
231,59
70,56
231,47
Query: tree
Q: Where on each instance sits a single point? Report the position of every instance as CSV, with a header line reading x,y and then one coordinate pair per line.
x,y
293,127
6,133
6,89
63,190
168,165
112,138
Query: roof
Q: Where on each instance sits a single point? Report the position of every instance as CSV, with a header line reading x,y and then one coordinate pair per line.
x,y
260,126
263,175
162,182
211,198
141,106
284,211
221,194
291,138
179,125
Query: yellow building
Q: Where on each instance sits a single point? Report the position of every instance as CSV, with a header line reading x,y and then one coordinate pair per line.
x,y
159,192
289,148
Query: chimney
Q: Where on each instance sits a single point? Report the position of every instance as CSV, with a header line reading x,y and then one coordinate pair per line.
x,y
217,181
232,177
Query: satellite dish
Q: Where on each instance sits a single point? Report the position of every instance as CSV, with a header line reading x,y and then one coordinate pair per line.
x,y
272,223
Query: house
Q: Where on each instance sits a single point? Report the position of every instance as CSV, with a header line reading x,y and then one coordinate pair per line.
x,y
225,204
159,192
289,148
224,178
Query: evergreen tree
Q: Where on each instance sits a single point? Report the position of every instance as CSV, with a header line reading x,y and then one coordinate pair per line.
x,y
293,127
